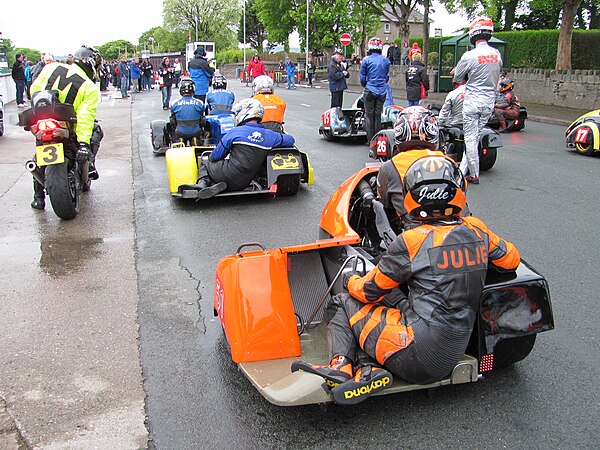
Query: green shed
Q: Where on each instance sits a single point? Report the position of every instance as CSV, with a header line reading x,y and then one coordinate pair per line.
x,y
450,52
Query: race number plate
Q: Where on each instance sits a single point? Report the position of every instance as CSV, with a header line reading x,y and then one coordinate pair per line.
x,y
49,154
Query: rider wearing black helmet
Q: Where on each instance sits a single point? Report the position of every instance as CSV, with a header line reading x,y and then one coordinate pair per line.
x,y
75,84
219,99
376,331
187,114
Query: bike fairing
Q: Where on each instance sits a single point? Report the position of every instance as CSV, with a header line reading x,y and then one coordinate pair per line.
x,y
252,143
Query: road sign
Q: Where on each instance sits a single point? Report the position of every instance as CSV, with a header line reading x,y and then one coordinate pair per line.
x,y
345,39
438,32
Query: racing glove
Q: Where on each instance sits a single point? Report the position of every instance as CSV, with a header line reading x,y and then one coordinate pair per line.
x,y
83,152
347,276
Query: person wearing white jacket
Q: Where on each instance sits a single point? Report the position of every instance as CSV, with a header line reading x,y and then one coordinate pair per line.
x,y
480,68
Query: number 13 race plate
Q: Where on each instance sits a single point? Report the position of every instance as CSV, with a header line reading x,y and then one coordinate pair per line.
x,y
49,154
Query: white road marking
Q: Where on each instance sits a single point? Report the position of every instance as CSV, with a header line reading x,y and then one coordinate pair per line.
x,y
304,104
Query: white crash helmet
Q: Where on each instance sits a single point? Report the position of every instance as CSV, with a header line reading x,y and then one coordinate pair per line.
x,y
246,110
481,28
262,84
375,44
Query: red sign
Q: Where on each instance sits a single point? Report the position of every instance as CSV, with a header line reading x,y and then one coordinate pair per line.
x,y
345,39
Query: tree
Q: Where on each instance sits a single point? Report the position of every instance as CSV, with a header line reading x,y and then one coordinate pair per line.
x,y
563,53
396,10
541,15
277,19
203,20
32,54
114,49
255,30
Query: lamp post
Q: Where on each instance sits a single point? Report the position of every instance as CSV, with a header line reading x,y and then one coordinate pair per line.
x,y
244,68
306,64
152,40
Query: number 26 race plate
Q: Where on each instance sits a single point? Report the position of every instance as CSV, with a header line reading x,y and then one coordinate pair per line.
x,y
49,154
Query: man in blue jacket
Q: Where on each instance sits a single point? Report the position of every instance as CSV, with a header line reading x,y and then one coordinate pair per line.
x,y
374,76
336,75
201,73
247,145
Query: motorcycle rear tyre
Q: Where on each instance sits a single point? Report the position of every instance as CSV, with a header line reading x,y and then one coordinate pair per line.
x,y
510,351
61,186
288,185
328,135
486,162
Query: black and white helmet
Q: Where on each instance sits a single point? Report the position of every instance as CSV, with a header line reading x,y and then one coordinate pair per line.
x,y
246,110
262,84
89,59
219,82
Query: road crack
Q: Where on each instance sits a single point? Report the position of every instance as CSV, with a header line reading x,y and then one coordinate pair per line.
x,y
200,323
12,185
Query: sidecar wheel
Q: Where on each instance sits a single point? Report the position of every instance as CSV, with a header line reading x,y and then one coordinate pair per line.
x,y
584,149
487,161
510,351
328,135
288,185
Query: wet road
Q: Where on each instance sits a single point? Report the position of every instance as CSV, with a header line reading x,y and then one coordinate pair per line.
x,y
106,321
539,195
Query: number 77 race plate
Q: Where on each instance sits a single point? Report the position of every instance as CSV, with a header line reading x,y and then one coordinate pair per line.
x,y
49,154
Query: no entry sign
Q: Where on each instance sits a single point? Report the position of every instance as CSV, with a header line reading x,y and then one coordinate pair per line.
x,y
345,39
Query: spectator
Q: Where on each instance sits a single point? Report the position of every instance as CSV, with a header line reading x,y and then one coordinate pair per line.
x,y
290,69
255,68
18,75
136,74
404,53
374,76
69,59
336,75
123,69
356,59
417,81
201,73
166,75
147,74
413,51
37,69
177,69
310,70
103,75
28,78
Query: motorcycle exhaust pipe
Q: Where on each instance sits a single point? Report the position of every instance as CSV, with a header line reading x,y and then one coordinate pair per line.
x,y
37,173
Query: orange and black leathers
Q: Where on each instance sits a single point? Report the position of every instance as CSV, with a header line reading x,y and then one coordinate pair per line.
x,y
391,178
274,111
506,107
444,267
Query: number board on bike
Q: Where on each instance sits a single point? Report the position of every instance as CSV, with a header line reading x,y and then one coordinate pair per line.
x,y
49,154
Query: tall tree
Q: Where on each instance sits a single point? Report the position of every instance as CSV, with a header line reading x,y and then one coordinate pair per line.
x,y
114,49
255,30
563,53
203,20
397,11
541,15
158,39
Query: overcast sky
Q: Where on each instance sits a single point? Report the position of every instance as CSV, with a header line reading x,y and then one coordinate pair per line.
x,y
62,27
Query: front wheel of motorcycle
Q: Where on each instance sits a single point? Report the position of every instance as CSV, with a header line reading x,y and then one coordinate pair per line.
x,y
61,185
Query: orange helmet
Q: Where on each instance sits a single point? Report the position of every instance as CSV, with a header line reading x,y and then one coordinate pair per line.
x,y
505,84
434,188
481,28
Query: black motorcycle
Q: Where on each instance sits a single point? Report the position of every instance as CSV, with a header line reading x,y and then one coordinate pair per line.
x,y
55,165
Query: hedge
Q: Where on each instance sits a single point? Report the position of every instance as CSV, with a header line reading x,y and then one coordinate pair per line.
x,y
536,49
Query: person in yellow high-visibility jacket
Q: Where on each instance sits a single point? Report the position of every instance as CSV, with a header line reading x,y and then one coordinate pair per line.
x,y
274,106
75,85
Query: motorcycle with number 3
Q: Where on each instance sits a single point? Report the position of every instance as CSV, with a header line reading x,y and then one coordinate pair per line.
x,y
55,165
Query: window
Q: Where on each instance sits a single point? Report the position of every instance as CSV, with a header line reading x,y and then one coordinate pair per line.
x,y
387,28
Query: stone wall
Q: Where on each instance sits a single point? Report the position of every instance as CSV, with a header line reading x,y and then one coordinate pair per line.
x,y
578,89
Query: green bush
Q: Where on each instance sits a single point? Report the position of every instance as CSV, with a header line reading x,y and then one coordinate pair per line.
x,y
233,55
432,59
537,49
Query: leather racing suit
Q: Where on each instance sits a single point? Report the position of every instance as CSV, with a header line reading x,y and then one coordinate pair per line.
x,y
274,111
374,77
219,101
480,68
187,117
391,178
506,107
247,146
451,112
73,87
421,340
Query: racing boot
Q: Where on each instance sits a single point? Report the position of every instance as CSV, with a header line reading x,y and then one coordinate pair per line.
x,y
39,196
367,381
210,190
336,372
92,171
